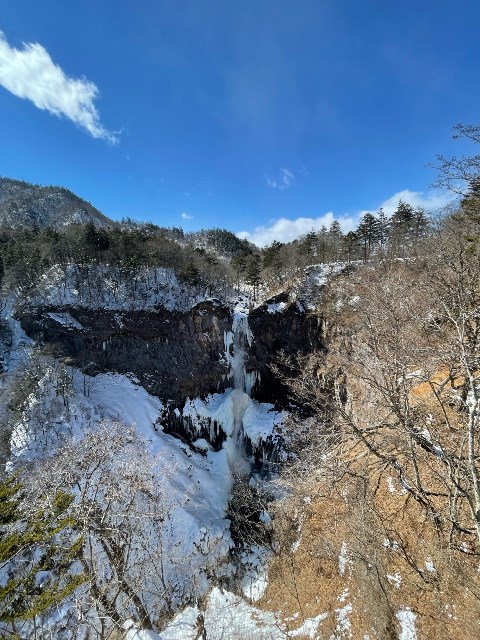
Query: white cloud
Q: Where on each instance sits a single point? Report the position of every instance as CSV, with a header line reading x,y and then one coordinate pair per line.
x,y
187,216
430,201
30,73
284,181
285,230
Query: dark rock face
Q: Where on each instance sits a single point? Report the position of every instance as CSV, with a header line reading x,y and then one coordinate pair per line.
x,y
174,355
293,332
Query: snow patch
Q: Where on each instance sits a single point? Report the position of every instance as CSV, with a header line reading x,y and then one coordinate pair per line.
x,y
309,627
184,626
277,307
395,579
66,320
430,567
342,559
228,617
406,618
255,580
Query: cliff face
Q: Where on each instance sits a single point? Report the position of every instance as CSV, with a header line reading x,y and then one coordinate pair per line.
x,y
291,332
174,355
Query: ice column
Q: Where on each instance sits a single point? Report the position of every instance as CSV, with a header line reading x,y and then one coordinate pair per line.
x,y
239,338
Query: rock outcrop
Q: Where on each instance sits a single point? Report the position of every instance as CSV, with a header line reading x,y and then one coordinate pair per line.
x,y
174,355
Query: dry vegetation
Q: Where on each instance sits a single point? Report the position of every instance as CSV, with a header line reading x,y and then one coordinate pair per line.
x,y
384,516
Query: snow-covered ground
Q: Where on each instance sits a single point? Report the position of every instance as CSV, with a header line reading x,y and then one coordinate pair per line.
x,y
195,536
227,616
107,287
197,486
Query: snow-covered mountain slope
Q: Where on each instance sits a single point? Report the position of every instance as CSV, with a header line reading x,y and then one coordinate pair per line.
x,y
24,205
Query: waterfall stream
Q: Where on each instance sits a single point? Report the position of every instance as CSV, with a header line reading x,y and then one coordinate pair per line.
x,y
238,340
232,420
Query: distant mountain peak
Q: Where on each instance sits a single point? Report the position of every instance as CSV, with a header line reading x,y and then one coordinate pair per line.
x,y
25,205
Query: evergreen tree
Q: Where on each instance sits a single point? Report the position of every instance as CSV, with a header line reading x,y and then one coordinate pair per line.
x,y
383,229
37,547
308,244
253,274
239,264
271,255
402,228
419,224
368,233
335,235
351,244
191,274
323,243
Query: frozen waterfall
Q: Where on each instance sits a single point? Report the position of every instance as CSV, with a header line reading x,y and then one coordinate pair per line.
x,y
236,343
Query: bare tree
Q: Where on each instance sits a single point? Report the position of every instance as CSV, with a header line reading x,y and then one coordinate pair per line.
x,y
121,511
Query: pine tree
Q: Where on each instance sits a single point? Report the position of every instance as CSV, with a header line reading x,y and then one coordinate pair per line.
x,y
37,547
402,223
383,228
308,244
271,254
351,243
368,232
322,243
335,235
239,264
252,275
420,224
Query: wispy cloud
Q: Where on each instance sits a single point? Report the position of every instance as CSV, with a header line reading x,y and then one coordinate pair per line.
x,y
187,216
30,73
285,180
286,230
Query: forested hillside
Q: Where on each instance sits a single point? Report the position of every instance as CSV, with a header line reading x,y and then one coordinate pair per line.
x,y
24,205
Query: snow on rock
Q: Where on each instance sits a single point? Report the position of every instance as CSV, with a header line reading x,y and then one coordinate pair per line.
x,y
309,627
343,558
17,347
315,277
320,273
260,420
229,617
395,579
196,536
255,580
430,567
277,307
184,626
344,626
117,397
107,287
66,320
135,633
406,618
391,485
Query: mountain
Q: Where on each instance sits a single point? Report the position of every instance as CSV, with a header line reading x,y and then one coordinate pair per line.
x,y
25,205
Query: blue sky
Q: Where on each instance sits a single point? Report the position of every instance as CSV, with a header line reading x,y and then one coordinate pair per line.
x,y
263,116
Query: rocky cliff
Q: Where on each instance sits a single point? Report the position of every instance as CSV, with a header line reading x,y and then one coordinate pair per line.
x,y
175,355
